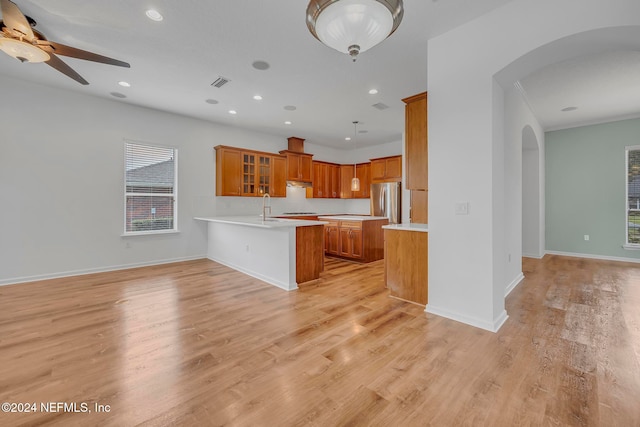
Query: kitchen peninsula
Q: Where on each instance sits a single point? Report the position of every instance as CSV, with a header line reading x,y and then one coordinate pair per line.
x,y
282,252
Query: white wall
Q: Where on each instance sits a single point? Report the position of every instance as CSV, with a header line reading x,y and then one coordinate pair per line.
x,y
61,182
518,178
467,254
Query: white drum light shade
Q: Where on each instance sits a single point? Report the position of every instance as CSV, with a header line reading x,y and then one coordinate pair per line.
x,y
25,52
353,26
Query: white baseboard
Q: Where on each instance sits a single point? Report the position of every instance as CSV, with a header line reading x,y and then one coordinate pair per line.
x,y
592,256
492,326
534,256
515,282
25,279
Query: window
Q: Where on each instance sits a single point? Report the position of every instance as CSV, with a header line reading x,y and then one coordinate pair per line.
x,y
633,195
150,188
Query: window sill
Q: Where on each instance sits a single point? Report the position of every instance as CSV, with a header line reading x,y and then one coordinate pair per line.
x,y
149,233
631,247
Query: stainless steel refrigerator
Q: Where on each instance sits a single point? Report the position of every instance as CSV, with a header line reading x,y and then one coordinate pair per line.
x,y
386,198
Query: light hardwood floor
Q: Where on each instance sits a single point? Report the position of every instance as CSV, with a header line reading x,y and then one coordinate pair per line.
x,y
196,343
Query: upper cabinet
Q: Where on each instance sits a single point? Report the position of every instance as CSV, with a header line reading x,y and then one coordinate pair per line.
x,y
248,173
416,142
228,171
279,166
363,172
326,181
298,166
386,169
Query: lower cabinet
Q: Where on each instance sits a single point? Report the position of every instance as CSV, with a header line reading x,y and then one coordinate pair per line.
x,y
358,240
331,238
351,241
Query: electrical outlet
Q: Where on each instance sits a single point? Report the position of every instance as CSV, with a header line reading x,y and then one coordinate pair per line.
x,y
586,237
462,208
247,248
509,257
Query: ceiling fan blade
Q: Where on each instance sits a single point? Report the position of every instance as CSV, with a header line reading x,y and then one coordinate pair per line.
x,y
15,20
60,49
57,63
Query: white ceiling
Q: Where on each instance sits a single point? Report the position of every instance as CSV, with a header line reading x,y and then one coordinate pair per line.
x,y
602,87
174,62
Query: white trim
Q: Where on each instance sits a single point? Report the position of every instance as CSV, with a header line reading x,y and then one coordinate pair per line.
x,y
270,280
592,256
535,256
515,282
631,247
471,321
25,279
594,122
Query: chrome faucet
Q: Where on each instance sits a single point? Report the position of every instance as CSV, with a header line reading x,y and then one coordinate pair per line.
x,y
266,206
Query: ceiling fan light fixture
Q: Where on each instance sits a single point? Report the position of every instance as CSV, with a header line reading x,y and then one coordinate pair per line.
x,y
23,51
353,26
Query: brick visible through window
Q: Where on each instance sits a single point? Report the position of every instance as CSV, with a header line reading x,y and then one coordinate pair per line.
x,y
150,188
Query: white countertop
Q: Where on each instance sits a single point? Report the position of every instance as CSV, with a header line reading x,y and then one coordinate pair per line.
x,y
352,217
256,221
423,228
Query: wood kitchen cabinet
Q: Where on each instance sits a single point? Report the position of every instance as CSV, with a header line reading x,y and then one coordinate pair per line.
x,y
340,180
279,165
416,142
351,243
363,172
228,171
405,264
326,180
386,169
331,236
346,175
298,166
358,240
248,173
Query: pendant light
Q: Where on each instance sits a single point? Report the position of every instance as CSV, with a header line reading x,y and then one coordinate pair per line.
x,y
355,181
353,26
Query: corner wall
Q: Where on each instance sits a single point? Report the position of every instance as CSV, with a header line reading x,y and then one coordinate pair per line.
x,y
467,256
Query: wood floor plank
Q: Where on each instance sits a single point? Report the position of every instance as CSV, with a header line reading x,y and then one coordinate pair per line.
x,y
196,343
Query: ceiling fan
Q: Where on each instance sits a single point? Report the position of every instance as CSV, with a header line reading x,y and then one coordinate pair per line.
x,y
20,40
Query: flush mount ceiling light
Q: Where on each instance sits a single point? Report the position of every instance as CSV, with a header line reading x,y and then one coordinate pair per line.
x,y
154,15
353,26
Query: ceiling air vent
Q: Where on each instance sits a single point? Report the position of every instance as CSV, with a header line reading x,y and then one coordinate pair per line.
x,y
220,81
380,106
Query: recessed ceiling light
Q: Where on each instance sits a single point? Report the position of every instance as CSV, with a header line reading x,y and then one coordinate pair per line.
x,y
290,107
233,112
348,138
118,95
154,15
211,101
569,109
373,91
124,84
257,97
287,122
261,65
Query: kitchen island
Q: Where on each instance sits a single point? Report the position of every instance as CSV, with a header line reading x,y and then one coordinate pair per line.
x,y
358,238
282,252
